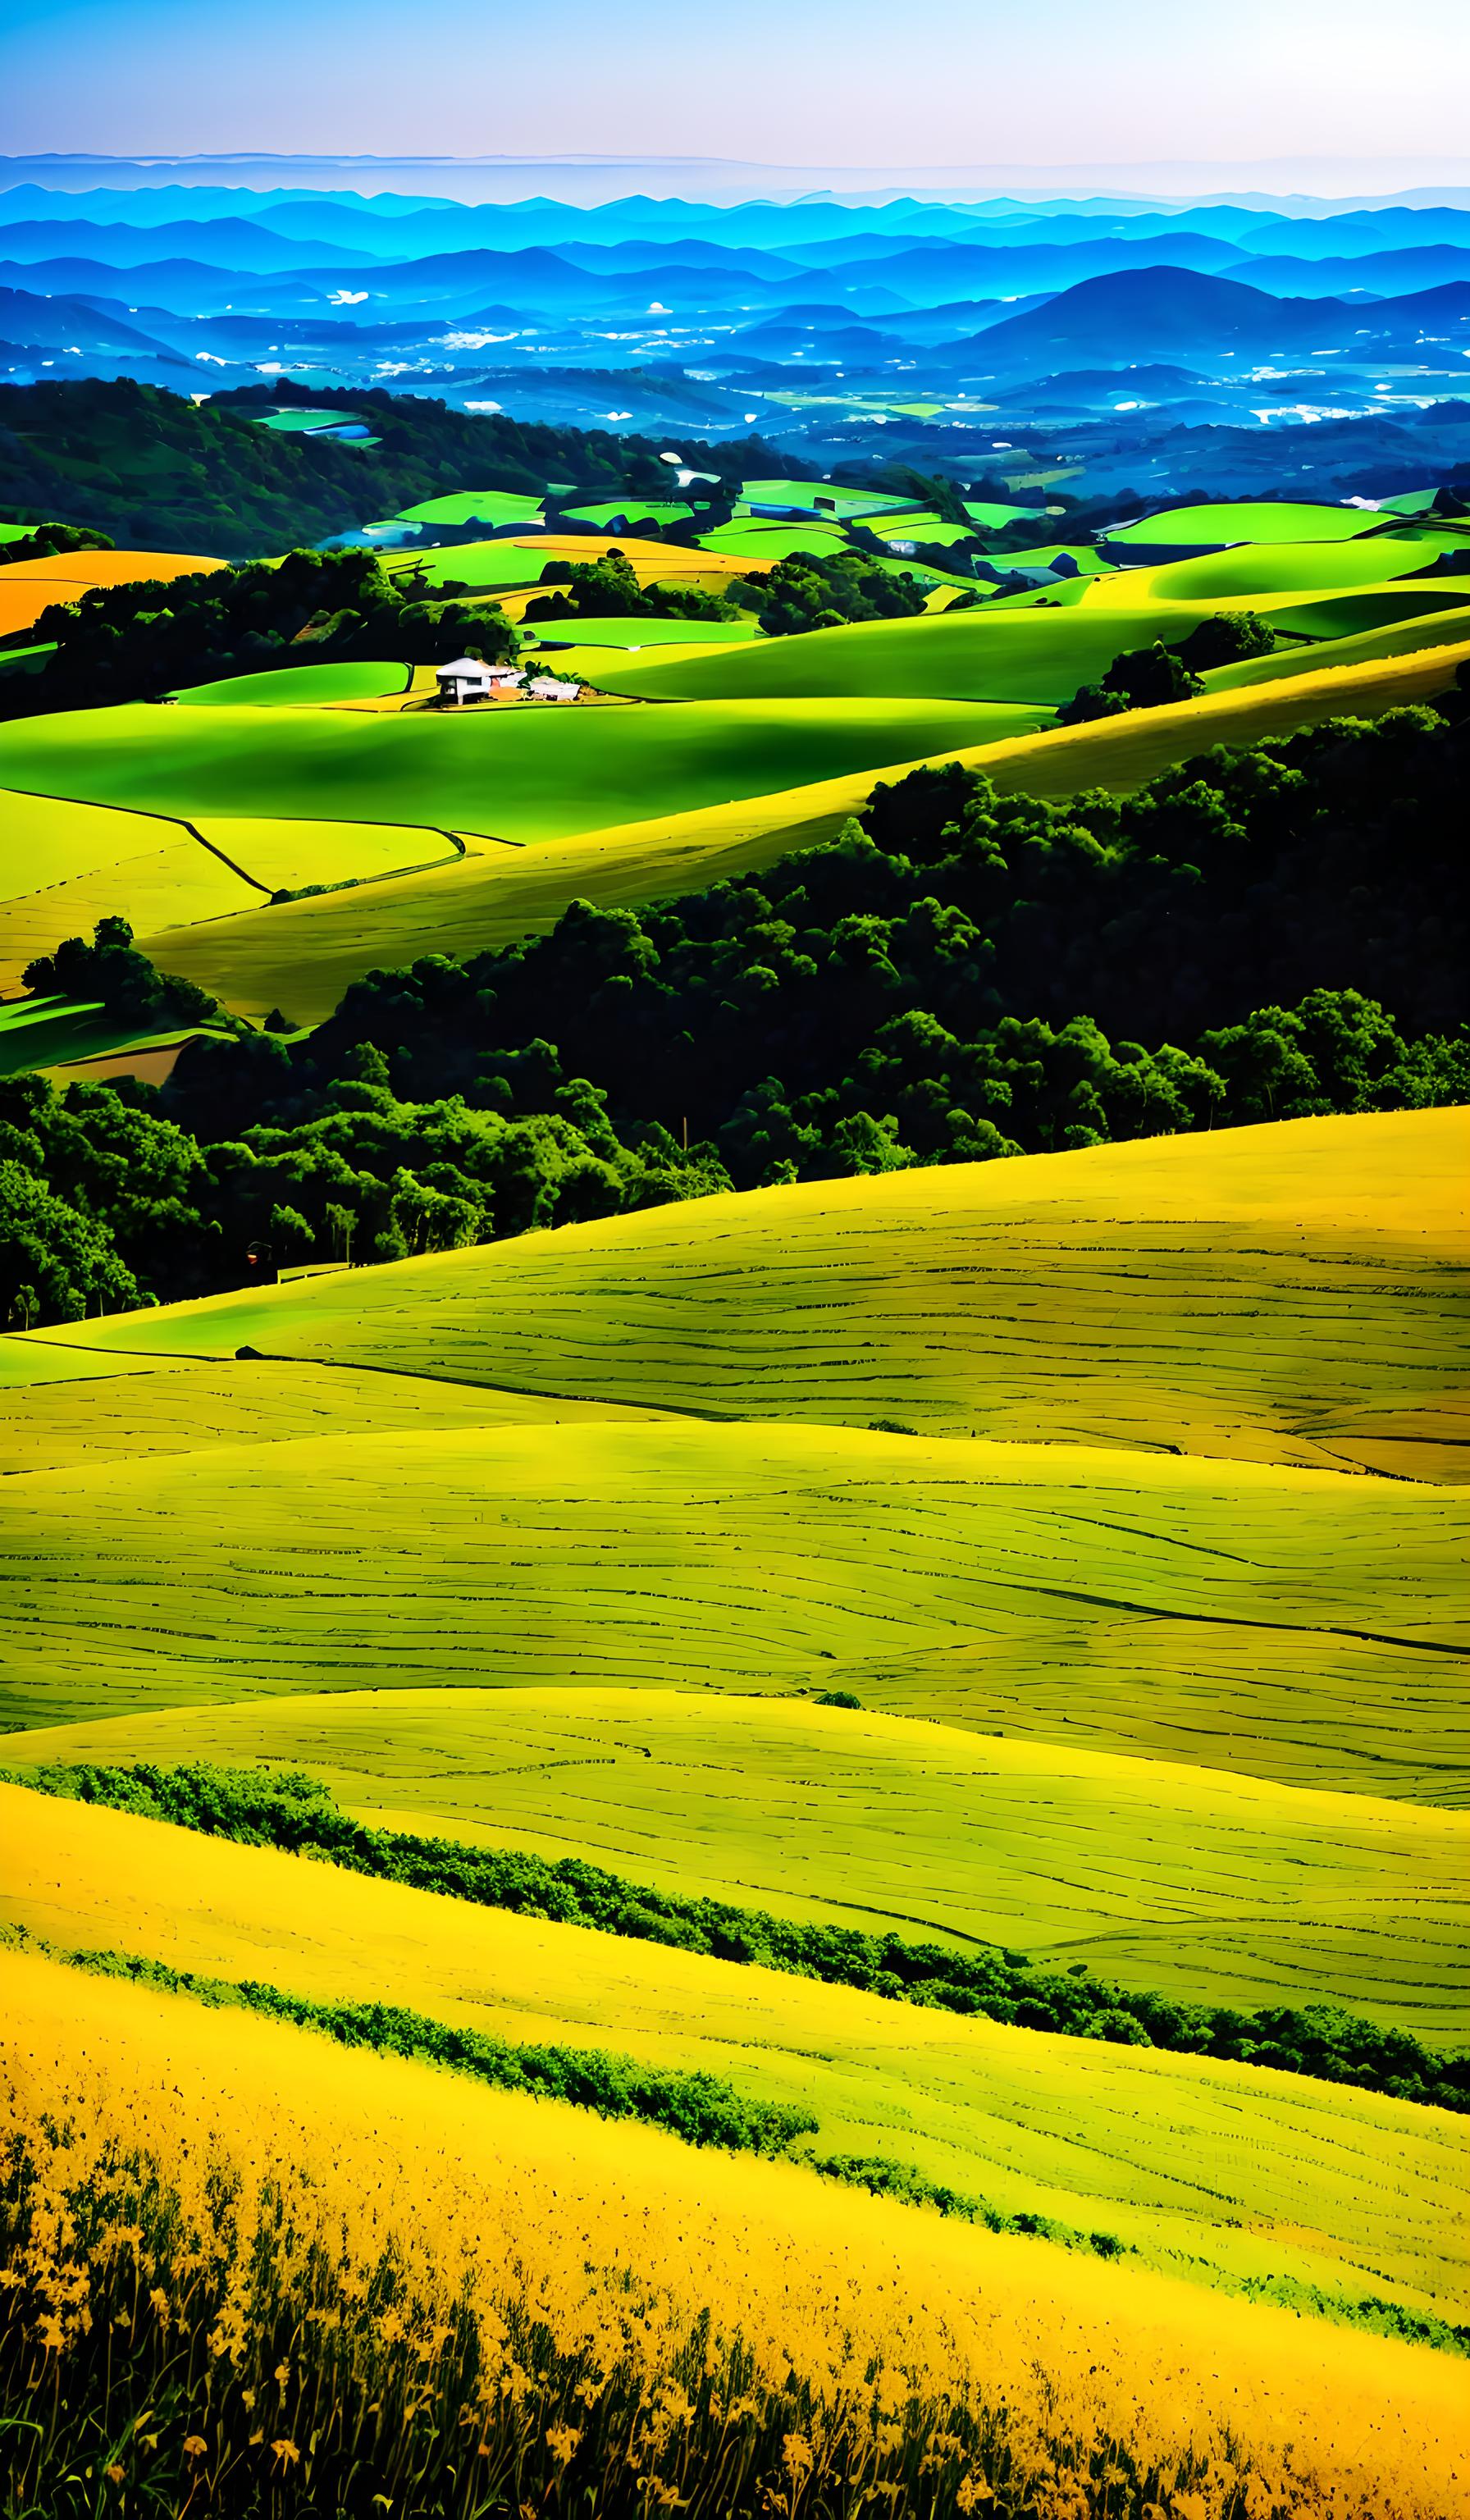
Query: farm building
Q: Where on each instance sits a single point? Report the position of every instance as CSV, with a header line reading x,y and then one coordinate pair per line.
x,y
549,687
467,678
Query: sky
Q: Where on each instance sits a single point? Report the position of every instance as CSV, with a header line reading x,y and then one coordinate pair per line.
x,y
845,84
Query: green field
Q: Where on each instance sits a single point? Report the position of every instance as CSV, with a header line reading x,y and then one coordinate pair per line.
x,y
1248,520
604,513
487,566
1157,1610
298,687
1027,656
1284,568
1155,1599
474,507
633,631
760,542
515,773
307,422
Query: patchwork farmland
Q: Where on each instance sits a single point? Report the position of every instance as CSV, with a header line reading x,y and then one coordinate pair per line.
x,y
777,1362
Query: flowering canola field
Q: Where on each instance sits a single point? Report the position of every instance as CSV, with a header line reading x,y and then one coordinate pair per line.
x,y
626,2299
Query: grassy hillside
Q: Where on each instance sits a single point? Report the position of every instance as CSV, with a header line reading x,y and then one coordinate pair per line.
x,y
1157,1606
534,2211
305,955
1248,520
1163,2152
1041,1299
1115,1296
1215,1888
300,686
529,774
73,863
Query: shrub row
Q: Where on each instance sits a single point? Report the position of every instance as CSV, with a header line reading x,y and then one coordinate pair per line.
x,y
300,1815
699,2107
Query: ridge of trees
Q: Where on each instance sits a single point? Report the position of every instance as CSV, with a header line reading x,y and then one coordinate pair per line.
x,y
157,471
300,1815
48,542
820,591
609,588
113,974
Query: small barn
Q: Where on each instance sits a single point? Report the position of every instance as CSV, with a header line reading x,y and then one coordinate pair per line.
x,y
549,687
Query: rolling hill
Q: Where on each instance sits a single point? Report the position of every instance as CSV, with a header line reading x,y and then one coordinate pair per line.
x,y
1100,1298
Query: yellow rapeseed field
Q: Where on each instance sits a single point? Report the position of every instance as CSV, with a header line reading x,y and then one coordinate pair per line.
x,y
1225,2172
624,2247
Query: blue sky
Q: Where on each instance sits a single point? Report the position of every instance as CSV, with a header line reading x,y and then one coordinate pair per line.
x,y
842,83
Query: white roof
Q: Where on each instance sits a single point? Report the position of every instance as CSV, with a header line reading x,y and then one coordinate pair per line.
x,y
464,670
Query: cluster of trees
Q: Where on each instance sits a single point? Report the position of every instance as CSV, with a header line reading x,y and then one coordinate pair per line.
x,y
300,1814
608,587
1140,678
145,639
111,972
160,472
1152,677
814,591
48,542
106,1201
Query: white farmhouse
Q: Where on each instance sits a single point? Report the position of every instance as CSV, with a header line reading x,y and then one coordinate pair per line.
x,y
467,679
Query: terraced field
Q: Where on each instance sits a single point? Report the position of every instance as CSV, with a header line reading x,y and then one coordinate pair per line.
x,y
1161,1609
1154,1599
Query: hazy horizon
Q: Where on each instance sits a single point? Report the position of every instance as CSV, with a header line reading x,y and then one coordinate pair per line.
x,y
992,92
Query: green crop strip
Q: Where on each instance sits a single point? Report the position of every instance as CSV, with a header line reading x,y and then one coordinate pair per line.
x,y
297,1814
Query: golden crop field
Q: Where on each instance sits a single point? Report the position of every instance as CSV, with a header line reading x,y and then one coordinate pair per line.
x,y
1209,1886
616,2239
29,586
1214,2171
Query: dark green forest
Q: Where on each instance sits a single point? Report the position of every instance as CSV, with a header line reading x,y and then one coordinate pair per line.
x,y
157,471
